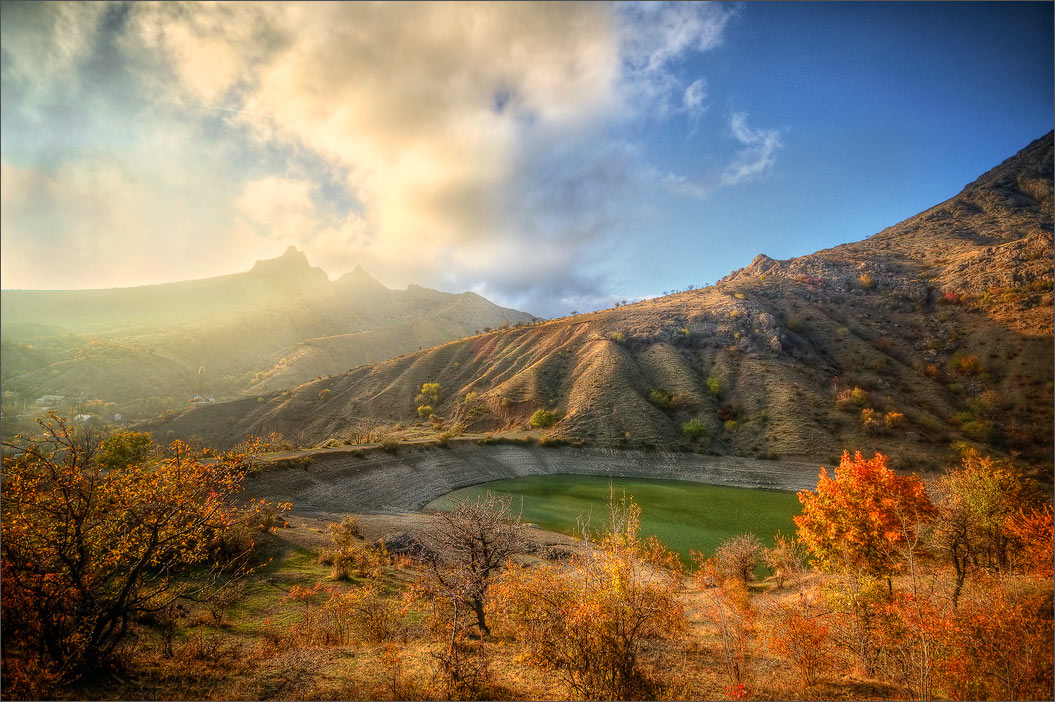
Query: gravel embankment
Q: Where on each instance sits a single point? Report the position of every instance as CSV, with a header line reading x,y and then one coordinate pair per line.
x,y
408,480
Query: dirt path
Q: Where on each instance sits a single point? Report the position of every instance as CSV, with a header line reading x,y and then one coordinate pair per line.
x,y
338,483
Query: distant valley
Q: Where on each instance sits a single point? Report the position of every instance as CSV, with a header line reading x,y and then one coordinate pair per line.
x,y
139,351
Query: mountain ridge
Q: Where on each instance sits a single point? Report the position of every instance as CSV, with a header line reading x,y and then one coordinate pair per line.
x,y
930,333
221,335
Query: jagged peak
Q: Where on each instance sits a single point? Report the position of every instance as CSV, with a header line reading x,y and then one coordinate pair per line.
x,y
360,278
291,258
293,262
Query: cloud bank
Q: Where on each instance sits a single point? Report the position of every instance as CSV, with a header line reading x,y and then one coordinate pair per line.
x,y
469,146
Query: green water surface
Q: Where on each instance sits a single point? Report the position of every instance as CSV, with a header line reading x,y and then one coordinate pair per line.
x,y
684,516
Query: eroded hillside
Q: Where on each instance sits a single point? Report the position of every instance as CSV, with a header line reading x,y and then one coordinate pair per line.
x,y
935,331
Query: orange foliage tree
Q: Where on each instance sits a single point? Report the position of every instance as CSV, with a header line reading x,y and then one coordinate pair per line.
x,y
87,549
863,516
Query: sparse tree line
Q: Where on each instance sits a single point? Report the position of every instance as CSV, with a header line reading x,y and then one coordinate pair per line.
x,y
939,591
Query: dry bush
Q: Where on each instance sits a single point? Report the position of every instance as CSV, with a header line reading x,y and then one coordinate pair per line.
x,y
223,600
589,619
728,608
797,633
464,671
367,560
347,555
737,558
1000,643
786,560
331,616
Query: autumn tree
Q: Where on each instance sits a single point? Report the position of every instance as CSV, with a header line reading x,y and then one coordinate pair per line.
x,y
862,524
861,517
590,617
90,544
976,504
125,448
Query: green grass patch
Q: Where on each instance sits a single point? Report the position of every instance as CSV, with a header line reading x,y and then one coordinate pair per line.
x,y
684,516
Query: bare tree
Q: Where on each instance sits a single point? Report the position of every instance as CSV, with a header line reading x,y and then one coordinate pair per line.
x,y
470,544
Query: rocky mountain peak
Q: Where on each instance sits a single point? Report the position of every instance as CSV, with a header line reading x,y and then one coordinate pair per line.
x,y
292,263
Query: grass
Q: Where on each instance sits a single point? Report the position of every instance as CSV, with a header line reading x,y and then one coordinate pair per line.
x,y
684,516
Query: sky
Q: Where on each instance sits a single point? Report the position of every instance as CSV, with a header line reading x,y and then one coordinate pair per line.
x,y
551,157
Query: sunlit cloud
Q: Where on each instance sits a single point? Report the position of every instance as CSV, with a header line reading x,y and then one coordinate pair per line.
x,y
489,148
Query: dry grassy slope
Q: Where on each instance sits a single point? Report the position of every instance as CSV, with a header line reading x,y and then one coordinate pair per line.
x,y
464,315
782,338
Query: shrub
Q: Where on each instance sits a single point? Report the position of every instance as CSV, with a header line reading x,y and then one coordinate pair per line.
x,y
695,430
866,281
893,420
590,619
730,425
543,419
325,395
978,430
430,394
470,396
728,410
389,444
965,363
660,399
738,557
714,386
854,397
425,411
558,441
871,420
619,337
352,557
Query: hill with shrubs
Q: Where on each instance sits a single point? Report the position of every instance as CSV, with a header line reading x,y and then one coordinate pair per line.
x,y
932,334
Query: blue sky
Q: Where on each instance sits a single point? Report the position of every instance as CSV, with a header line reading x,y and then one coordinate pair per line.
x,y
551,157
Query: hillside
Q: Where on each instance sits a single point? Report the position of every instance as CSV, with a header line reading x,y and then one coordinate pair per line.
x,y
275,326
932,332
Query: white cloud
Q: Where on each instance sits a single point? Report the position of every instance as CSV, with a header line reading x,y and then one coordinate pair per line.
x,y
471,143
757,156
695,95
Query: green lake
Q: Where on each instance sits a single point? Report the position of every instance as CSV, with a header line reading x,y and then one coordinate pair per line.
x,y
685,516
